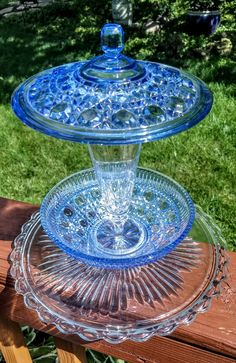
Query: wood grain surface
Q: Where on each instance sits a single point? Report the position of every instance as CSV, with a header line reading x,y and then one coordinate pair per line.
x,y
211,338
70,353
12,343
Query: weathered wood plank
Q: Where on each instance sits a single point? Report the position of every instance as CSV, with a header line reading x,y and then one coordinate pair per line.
x,y
12,343
212,334
69,352
12,215
162,350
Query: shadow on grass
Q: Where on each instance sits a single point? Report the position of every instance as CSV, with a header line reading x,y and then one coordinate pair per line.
x,y
61,33
69,31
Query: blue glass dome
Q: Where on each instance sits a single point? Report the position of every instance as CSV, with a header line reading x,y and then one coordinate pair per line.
x,y
112,99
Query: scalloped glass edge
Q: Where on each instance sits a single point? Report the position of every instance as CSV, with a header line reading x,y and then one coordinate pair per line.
x,y
112,334
118,263
115,136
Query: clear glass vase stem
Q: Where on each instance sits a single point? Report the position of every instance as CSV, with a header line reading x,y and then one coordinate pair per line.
x,y
115,168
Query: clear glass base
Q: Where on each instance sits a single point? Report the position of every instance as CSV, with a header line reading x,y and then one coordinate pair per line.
x,y
122,239
158,216
115,305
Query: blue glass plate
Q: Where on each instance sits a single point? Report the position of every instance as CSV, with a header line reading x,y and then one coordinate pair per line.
x,y
162,210
112,99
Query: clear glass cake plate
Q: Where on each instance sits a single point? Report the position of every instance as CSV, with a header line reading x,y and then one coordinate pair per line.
x,y
115,305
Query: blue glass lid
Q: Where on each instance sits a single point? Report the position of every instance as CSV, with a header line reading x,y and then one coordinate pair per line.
x,y
112,99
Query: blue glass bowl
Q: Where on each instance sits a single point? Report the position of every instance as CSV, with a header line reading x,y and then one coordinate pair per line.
x,y
161,208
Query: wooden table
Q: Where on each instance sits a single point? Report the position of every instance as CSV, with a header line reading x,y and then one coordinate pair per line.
x,y
210,339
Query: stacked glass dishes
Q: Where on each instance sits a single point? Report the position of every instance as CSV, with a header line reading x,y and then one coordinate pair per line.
x,y
129,237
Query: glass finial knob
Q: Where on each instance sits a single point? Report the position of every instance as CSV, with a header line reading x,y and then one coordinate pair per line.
x,y
112,40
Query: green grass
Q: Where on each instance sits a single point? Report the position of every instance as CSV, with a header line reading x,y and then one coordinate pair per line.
x,y
203,159
4,4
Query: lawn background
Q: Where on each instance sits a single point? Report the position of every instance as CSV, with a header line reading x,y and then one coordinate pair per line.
x,y
202,159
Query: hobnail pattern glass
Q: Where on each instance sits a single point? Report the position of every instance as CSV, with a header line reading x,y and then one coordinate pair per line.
x,y
160,215
115,305
112,99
